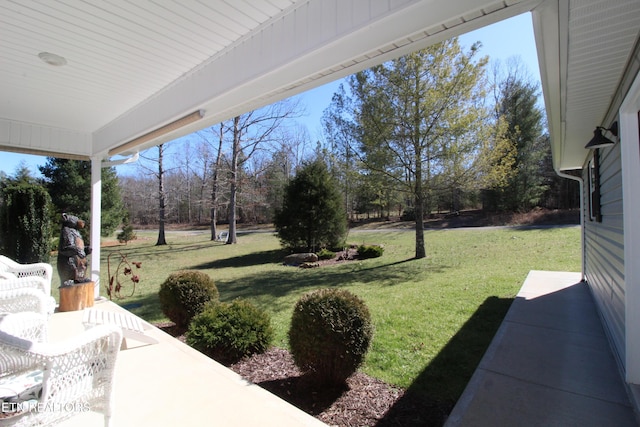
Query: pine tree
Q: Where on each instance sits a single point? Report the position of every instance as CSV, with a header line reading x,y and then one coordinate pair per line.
x,y
25,229
127,234
69,185
312,216
517,107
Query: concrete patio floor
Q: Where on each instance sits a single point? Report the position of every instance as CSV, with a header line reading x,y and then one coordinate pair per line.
x,y
550,364
171,384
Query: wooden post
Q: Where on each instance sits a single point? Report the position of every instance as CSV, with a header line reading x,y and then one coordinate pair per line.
x,y
76,297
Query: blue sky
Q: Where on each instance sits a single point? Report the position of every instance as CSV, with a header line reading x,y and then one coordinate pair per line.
x,y
501,41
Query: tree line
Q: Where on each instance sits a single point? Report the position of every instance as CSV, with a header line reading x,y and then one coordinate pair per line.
x,y
433,131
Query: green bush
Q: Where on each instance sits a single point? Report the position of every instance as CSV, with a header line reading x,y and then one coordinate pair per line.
x,y
227,332
185,294
127,234
370,251
330,334
25,230
326,254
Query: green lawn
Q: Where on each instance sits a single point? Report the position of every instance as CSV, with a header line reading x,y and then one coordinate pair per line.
x,y
434,317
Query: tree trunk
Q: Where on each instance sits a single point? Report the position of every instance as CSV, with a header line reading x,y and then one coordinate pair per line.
x,y
214,187
419,210
419,190
233,187
189,213
161,240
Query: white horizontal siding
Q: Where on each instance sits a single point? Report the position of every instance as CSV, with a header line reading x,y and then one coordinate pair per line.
x,y
604,248
44,140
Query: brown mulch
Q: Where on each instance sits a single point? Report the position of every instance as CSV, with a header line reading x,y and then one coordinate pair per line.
x,y
363,401
349,254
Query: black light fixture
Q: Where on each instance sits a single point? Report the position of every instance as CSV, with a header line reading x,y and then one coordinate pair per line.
x,y
601,141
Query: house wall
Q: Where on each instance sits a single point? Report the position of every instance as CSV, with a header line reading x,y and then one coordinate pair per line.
x,y
604,245
629,113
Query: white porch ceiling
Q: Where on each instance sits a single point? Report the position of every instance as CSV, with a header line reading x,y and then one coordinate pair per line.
x,y
119,53
136,65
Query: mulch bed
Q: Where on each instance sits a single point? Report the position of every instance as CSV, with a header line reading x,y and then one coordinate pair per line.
x,y
364,401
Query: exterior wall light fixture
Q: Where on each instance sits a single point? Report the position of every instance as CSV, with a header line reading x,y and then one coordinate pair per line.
x,y
601,141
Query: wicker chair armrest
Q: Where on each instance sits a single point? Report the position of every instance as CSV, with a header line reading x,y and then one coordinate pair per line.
x,y
91,354
25,299
26,325
39,269
105,338
35,282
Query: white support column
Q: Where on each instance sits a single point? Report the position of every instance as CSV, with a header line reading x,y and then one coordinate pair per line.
x,y
96,215
630,154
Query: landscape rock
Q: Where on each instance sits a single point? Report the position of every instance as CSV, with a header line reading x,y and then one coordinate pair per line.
x,y
301,258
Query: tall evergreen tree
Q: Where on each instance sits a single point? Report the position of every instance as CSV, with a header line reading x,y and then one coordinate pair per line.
x,y
25,229
312,216
69,185
517,107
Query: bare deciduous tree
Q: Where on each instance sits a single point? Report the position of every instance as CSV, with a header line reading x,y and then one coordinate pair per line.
x,y
251,132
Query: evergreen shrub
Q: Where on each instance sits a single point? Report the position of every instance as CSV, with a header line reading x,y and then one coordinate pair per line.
x,y
227,332
25,230
326,254
127,234
330,334
185,294
370,251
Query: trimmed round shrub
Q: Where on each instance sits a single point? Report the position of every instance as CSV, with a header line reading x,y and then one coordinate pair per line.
x,y
227,332
370,251
186,293
330,334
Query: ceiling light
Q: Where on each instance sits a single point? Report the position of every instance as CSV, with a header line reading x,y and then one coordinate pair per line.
x,y
52,59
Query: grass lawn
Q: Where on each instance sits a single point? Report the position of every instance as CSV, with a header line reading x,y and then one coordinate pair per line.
x,y
434,317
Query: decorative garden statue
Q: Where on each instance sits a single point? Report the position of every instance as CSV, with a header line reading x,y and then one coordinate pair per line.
x,y
72,254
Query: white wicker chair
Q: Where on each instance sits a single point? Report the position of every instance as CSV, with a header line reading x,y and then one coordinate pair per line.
x,y
8,283
25,299
76,375
37,276
39,269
